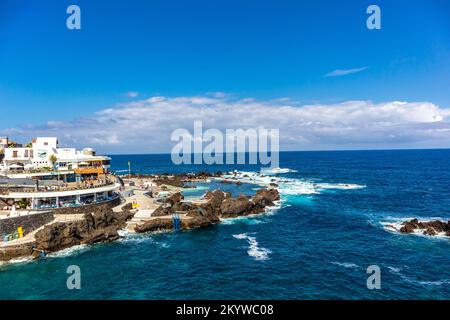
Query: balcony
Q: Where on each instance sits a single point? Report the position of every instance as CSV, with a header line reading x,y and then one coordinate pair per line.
x,y
90,170
66,188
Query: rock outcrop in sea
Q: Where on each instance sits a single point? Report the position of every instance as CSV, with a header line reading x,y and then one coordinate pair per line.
x,y
430,228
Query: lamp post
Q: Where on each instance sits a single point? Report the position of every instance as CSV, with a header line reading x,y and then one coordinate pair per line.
x,y
129,171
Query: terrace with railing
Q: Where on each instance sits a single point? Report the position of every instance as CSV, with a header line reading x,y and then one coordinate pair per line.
x,y
60,186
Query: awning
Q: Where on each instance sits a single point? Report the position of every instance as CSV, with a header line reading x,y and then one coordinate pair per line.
x,y
15,166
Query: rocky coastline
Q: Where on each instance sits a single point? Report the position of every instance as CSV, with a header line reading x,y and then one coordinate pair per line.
x,y
98,226
104,224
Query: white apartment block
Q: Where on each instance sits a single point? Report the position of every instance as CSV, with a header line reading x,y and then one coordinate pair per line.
x,y
38,155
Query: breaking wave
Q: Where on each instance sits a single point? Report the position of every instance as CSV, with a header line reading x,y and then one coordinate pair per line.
x,y
397,271
347,265
289,186
271,171
16,261
72,251
253,250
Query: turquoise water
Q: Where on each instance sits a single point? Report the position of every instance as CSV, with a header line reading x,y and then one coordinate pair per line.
x,y
316,246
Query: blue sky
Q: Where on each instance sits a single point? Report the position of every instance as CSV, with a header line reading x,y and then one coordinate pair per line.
x,y
260,49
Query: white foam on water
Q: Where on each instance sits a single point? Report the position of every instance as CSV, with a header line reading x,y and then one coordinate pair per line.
x,y
391,226
271,171
398,272
137,238
293,187
249,220
69,251
339,186
289,186
126,237
253,250
393,269
16,261
123,233
348,265
435,283
271,210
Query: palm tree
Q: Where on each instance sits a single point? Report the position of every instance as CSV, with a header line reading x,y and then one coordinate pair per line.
x,y
53,160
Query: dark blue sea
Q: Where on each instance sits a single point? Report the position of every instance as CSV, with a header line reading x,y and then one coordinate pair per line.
x,y
329,227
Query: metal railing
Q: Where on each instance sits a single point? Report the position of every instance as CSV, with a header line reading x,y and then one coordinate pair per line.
x,y
80,186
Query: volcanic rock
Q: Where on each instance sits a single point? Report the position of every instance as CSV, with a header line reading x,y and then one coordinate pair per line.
x,y
158,224
95,227
431,228
235,207
430,231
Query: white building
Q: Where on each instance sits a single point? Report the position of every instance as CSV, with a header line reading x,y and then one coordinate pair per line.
x,y
44,154
3,143
44,176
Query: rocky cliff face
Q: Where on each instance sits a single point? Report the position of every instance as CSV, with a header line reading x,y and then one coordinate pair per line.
x,y
430,228
95,227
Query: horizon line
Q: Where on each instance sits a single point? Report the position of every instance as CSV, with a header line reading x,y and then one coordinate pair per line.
x,y
292,151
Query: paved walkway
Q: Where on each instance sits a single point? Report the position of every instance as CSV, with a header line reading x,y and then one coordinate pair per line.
x,y
68,217
146,208
28,238
139,197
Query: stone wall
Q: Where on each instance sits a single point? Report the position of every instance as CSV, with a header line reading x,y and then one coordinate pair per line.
x,y
29,222
89,208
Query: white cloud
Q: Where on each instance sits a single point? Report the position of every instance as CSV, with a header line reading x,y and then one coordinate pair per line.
x,y
146,125
344,72
132,94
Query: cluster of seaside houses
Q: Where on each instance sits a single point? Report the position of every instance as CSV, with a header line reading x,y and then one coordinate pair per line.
x,y
41,176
